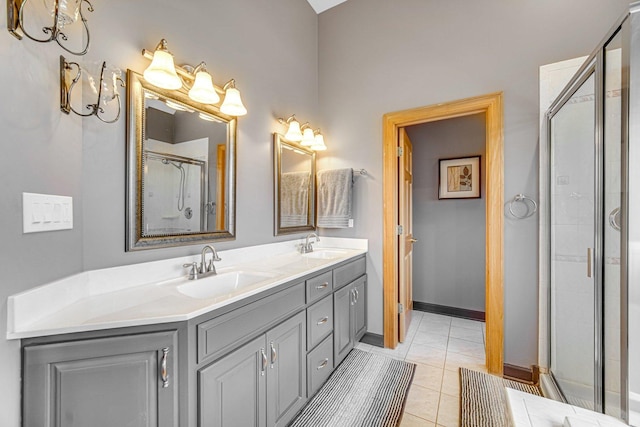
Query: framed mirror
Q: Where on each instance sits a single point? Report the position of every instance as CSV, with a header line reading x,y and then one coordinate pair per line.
x,y
294,180
180,168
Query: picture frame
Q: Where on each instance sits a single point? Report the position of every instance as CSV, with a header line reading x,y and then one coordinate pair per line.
x,y
459,178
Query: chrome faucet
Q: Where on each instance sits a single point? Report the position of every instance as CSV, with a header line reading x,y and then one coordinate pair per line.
x,y
208,268
204,269
307,246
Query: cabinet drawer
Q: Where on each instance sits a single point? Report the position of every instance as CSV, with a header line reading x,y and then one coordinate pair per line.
x,y
349,272
319,365
222,334
319,286
319,321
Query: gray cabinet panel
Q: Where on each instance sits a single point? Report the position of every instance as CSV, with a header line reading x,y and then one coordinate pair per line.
x,y
319,365
101,382
286,376
360,307
232,391
319,286
342,331
223,333
319,321
349,272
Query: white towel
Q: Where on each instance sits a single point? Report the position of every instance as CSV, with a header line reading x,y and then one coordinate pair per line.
x,y
334,197
294,199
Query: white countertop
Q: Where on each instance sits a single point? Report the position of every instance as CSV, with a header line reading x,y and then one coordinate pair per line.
x,y
149,293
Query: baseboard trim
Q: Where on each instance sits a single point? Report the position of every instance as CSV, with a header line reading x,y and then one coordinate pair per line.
x,y
449,311
518,373
373,339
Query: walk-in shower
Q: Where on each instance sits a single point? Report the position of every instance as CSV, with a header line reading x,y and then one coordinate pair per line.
x,y
594,228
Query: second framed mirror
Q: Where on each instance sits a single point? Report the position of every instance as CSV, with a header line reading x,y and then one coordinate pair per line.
x,y
294,180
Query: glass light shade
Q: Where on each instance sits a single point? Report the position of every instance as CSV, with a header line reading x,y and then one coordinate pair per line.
x,y
203,90
307,137
68,11
294,133
232,104
318,144
162,72
110,77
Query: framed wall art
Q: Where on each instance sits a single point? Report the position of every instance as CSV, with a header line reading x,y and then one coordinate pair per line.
x,y
459,178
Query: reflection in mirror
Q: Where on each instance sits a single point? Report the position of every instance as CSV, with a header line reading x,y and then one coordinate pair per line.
x,y
294,185
181,168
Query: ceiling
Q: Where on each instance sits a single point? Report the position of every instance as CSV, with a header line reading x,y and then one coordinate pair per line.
x,y
321,5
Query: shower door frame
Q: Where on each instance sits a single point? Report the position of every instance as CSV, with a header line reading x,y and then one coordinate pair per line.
x,y
592,67
629,27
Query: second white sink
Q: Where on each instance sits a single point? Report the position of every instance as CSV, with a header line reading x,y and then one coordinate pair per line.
x,y
222,284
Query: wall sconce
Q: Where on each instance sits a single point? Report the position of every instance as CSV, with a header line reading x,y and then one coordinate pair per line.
x,y
163,73
64,12
303,134
103,82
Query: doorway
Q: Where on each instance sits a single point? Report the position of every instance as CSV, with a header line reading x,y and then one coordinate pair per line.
x,y
491,106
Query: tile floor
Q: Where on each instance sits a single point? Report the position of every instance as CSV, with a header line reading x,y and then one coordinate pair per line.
x,y
438,345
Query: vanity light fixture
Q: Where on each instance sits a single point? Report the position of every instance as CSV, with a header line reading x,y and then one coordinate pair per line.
x,y
163,73
63,12
103,82
293,130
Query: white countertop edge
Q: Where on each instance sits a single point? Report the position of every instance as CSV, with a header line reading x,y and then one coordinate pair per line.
x,y
29,307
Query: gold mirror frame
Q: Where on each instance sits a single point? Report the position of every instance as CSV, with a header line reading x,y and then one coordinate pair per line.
x,y
137,86
279,142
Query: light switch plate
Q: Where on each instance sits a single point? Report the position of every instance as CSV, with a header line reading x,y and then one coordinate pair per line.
x,y
46,212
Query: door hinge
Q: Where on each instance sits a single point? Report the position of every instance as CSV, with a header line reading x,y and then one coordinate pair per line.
x,y
399,230
400,308
400,151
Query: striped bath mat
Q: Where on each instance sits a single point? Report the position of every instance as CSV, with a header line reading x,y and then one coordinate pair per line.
x,y
367,390
483,400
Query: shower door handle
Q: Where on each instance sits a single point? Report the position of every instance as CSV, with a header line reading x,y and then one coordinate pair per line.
x,y
589,262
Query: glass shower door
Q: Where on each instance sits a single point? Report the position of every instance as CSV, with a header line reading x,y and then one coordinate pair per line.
x,y
573,319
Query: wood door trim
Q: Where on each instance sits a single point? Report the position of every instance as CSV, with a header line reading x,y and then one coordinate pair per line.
x,y
492,105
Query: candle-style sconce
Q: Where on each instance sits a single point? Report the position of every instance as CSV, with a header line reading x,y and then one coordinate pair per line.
x,y
103,82
63,12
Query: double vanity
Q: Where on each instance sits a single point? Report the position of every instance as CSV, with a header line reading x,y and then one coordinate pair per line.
x,y
246,346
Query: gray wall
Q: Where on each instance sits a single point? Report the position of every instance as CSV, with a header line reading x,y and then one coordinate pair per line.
x,y
270,48
379,56
449,257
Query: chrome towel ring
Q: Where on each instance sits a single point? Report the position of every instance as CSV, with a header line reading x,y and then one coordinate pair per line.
x,y
528,202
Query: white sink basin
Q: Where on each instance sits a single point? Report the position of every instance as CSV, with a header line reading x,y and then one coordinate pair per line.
x,y
222,284
325,254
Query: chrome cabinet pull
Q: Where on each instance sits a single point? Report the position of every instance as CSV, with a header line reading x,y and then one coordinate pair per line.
x,y
357,294
325,285
322,321
264,361
589,262
274,354
323,364
353,297
164,375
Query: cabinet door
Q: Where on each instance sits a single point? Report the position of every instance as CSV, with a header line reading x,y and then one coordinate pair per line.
x,y
342,333
286,375
360,308
232,390
120,381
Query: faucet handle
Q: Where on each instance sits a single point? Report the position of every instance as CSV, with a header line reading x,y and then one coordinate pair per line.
x,y
193,273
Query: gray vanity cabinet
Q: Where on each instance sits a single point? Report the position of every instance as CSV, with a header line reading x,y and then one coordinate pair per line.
x,y
117,381
263,383
349,306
